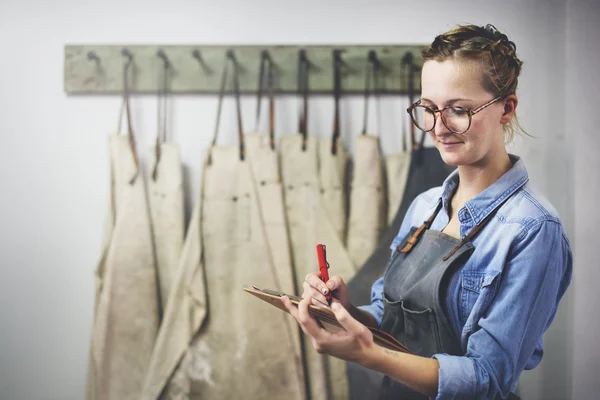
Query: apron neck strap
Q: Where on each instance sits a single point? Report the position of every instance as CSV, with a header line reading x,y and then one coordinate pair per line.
x,y
419,232
476,229
230,57
416,236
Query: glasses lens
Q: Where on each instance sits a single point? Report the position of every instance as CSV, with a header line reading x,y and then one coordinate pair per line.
x,y
423,118
456,119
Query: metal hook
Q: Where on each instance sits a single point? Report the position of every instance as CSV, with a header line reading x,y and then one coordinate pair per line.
x,y
127,53
375,61
92,56
303,58
231,55
160,53
266,55
337,56
407,59
198,56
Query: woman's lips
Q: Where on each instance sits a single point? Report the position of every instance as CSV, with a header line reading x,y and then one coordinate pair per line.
x,y
450,145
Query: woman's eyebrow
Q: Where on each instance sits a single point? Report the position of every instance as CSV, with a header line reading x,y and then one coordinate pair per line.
x,y
449,102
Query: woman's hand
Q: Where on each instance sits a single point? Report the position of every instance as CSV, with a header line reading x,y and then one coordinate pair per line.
x,y
316,289
355,343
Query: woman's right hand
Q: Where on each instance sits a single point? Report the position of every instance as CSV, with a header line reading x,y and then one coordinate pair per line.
x,y
316,289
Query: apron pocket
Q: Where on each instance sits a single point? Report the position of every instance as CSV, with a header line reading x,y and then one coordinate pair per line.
x,y
421,331
416,328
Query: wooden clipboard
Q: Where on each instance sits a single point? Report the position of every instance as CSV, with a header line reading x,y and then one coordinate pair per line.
x,y
324,316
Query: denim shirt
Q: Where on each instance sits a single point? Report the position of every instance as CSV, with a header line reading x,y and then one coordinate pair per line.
x,y
507,292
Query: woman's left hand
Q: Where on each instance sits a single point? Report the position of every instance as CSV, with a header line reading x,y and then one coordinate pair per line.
x,y
355,344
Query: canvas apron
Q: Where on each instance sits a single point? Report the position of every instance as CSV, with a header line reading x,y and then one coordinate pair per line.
x,y
368,216
184,314
165,195
126,313
243,350
264,161
332,180
414,281
309,224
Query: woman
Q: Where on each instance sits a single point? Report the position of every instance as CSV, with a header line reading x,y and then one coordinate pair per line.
x,y
472,290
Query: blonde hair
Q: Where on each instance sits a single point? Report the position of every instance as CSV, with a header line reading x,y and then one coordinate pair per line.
x,y
494,52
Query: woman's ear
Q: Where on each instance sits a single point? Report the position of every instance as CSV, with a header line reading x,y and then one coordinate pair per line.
x,y
510,107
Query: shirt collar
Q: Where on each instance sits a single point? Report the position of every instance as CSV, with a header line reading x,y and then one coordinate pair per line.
x,y
484,203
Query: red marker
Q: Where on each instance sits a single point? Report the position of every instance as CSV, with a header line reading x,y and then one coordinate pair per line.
x,y
323,267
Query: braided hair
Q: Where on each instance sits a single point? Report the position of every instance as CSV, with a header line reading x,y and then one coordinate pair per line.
x,y
496,54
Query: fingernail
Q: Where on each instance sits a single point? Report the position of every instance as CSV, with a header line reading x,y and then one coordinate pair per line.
x,y
331,284
324,290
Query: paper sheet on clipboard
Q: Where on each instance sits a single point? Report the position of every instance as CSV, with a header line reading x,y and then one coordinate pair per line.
x,y
324,316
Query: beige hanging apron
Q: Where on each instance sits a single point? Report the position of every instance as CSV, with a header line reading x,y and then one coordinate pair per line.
x,y
264,161
299,171
397,167
185,313
332,178
126,313
367,200
368,216
243,350
165,194
300,179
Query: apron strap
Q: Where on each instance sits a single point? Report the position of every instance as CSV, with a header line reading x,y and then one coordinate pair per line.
x,y
161,114
414,238
236,89
261,75
371,73
127,107
271,87
476,229
266,68
337,89
419,232
303,67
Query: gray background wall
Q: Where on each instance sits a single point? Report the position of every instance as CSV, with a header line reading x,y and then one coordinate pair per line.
x,y
54,166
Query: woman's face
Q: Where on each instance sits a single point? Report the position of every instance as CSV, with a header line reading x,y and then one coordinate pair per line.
x,y
458,83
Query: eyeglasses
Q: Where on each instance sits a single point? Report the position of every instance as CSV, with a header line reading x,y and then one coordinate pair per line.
x,y
456,119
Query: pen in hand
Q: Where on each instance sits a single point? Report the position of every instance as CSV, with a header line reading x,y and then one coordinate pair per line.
x,y
323,267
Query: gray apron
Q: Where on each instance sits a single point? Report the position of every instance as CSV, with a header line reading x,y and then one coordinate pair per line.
x,y
413,293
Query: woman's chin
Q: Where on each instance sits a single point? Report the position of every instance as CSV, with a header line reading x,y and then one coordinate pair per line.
x,y
452,159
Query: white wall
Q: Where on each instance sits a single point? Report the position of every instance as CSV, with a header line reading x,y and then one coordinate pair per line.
x,y
583,86
54,167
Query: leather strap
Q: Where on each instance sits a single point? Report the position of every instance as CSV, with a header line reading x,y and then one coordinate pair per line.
x,y
371,73
161,116
266,69
303,67
127,107
271,87
236,90
475,229
337,90
416,236
261,79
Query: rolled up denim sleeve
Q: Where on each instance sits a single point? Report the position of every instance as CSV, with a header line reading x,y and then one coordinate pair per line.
x,y
376,306
534,279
